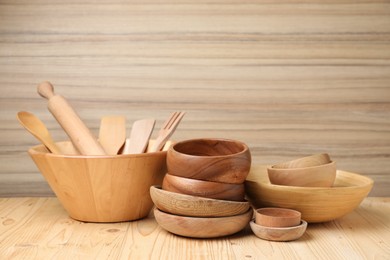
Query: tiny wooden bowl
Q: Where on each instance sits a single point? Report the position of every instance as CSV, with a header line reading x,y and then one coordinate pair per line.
x,y
187,205
279,233
277,217
308,161
316,176
202,227
218,160
316,204
206,189
103,188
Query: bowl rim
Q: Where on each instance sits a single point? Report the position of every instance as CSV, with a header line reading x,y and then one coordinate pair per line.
x,y
268,185
300,168
34,151
302,224
243,151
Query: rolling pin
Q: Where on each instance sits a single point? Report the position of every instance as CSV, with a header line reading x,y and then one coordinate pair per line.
x,y
79,134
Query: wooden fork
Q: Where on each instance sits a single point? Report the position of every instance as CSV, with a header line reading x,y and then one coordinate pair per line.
x,y
167,130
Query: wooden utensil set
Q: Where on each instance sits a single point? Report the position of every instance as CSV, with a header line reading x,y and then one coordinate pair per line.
x,y
112,134
203,180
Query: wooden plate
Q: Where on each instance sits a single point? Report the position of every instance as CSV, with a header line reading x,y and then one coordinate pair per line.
x,y
199,227
187,205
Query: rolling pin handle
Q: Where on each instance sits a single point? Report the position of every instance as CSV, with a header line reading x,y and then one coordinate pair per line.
x,y
46,90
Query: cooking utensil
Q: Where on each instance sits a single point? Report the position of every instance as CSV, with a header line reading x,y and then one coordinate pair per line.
x,y
139,136
38,129
167,130
112,133
79,134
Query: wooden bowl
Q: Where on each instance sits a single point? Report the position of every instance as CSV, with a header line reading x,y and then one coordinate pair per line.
x,y
277,217
308,161
279,233
101,188
206,189
202,227
315,204
218,160
186,205
315,176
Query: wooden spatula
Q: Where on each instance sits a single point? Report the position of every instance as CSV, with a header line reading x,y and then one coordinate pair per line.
x,y
139,136
112,133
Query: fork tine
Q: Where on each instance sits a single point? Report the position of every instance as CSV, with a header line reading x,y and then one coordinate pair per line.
x,y
174,118
177,120
169,120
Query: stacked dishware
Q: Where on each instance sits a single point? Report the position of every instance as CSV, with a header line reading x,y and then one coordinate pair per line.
x,y
203,193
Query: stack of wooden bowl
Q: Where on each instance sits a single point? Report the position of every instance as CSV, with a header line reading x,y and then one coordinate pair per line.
x,y
203,193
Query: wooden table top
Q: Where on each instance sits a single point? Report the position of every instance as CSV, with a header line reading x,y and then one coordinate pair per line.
x,y
39,228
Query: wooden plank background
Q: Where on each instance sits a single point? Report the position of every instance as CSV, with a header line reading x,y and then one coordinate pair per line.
x,y
289,78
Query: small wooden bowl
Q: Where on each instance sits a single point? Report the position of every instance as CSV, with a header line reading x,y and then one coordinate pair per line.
x,y
279,234
206,189
318,204
202,227
316,176
218,160
187,205
277,217
308,161
101,188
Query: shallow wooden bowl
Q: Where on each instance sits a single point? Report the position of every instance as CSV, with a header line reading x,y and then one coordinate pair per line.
x,y
277,217
186,205
315,176
101,188
206,189
308,161
218,160
315,204
202,227
279,233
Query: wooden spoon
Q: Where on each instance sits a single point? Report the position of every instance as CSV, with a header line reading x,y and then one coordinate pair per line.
x,y
38,129
139,136
112,133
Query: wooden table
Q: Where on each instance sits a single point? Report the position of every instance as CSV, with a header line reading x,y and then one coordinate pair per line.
x,y
39,228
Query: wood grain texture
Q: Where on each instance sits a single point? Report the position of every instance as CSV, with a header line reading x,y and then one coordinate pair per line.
x,y
38,228
289,78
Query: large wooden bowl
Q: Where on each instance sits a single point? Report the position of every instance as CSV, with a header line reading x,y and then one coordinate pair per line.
x,y
316,204
101,188
187,205
206,189
218,160
201,227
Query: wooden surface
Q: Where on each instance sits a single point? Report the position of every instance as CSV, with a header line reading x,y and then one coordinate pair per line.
x,y
289,78
39,228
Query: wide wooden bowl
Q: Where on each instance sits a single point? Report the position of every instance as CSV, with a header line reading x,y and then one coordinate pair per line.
x,y
218,160
308,161
315,204
187,205
206,189
315,176
202,227
101,188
